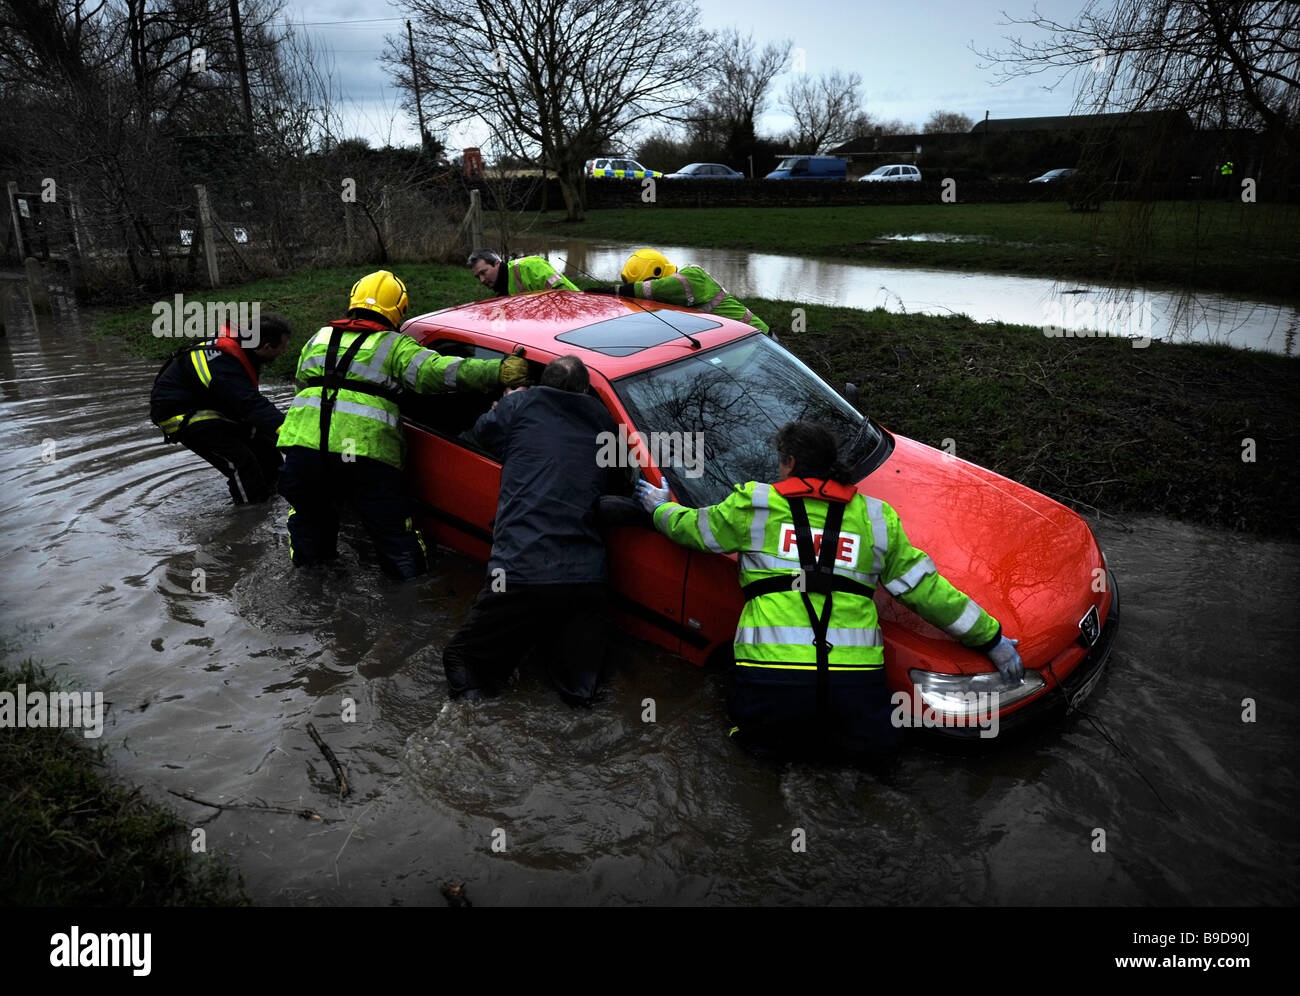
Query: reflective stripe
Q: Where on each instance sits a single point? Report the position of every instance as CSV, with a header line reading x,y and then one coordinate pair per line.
x,y
372,371
553,279
963,623
706,531
412,372
647,291
686,285
449,375
519,281
173,424
718,298
879,535
803,635
749,315
758,561
919,572
200,361
758,527
350,408
812,667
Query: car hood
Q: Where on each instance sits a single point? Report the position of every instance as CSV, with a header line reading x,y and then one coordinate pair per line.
x,y
1026,559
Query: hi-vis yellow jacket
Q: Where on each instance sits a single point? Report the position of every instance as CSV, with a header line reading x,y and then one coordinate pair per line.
x,y
775,630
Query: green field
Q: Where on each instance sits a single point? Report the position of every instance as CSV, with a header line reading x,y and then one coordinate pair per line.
x,y
1251,249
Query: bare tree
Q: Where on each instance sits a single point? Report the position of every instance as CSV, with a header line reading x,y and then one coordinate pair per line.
x,y
554,81
947,122
1225,64
825,109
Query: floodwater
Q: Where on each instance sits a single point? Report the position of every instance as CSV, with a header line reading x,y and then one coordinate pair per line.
x,y
211,692
1060,308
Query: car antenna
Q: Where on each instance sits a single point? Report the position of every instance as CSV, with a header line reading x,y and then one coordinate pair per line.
x,y
695,343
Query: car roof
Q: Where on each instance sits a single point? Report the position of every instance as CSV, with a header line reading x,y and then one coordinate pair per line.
x,y
613,335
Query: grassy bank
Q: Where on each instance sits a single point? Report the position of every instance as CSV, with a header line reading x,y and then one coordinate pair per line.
x,y
71,837
1093,422
1245,248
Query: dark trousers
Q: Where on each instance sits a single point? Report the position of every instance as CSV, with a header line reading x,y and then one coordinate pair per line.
x,y
250,462
566,623
317,486
776,713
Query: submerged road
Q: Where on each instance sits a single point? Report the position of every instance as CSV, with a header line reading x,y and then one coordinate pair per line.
x,y
212,685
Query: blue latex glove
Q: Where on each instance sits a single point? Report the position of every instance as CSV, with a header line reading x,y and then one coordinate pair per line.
x,y
1007,660
650,496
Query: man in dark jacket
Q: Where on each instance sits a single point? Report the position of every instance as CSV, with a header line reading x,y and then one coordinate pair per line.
x,y
206,398
547,583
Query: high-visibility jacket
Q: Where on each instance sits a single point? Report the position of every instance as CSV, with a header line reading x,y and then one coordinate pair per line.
x,y
775,631
533,273
364,420
692,287
214,380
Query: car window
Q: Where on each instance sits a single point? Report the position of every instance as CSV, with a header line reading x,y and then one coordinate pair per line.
x,y
737,396
453,414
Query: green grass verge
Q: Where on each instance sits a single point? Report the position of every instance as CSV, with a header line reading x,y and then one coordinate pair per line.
x,y
1244,248
69,836
1092,422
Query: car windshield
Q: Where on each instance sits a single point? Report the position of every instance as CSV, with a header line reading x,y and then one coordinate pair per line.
x,y
879,171
736,397
790,163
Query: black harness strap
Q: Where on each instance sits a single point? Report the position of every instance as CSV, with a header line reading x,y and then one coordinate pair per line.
x,y
818,568
334,379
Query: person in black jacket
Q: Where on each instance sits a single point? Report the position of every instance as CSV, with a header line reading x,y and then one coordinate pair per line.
x,y
547,582
206,398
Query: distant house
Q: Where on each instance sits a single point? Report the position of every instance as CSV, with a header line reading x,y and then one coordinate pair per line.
x,y
1162,121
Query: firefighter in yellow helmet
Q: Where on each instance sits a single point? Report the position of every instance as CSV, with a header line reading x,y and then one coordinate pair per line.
x,y
342,434
648,274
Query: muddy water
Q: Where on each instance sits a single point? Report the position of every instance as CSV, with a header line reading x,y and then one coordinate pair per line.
x,y
1063,308
211,692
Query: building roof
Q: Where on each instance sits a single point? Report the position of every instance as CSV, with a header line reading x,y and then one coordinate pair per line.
x,y
1074,122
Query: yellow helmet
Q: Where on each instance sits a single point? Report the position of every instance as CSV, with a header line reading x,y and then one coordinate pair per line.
x,y
381,292
646,264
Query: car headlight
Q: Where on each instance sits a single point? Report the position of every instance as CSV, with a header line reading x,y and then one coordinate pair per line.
x,y
972,695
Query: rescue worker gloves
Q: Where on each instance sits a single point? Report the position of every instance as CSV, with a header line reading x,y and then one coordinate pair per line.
x,y
650,496
382,293
646,264
1007,660
514,369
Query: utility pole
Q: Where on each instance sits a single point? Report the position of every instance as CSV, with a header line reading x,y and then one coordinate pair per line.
x,y
415,80
243,66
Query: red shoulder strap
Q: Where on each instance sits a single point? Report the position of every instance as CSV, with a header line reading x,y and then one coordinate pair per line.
x,y
231,347
815,487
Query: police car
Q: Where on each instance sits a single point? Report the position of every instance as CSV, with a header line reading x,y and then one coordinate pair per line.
x,y
613,168
697,399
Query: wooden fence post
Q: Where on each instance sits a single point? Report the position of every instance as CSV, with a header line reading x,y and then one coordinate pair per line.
x,y
209,242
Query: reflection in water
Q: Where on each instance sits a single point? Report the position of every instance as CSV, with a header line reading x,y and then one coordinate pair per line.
x,y
211,692
984,297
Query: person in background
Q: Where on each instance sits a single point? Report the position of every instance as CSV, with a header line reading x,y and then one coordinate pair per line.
x,y
518,276
649,275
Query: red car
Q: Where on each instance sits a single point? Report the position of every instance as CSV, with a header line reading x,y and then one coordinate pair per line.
x,y
706,395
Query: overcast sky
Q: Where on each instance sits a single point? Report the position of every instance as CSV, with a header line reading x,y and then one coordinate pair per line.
x,y
914,56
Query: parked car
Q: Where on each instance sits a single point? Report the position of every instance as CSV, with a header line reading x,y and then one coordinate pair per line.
x,y
616,168
1053,175
661,370
897,173
809,168
705,171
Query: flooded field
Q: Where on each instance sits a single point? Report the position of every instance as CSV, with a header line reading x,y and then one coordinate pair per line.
x,y
211,687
